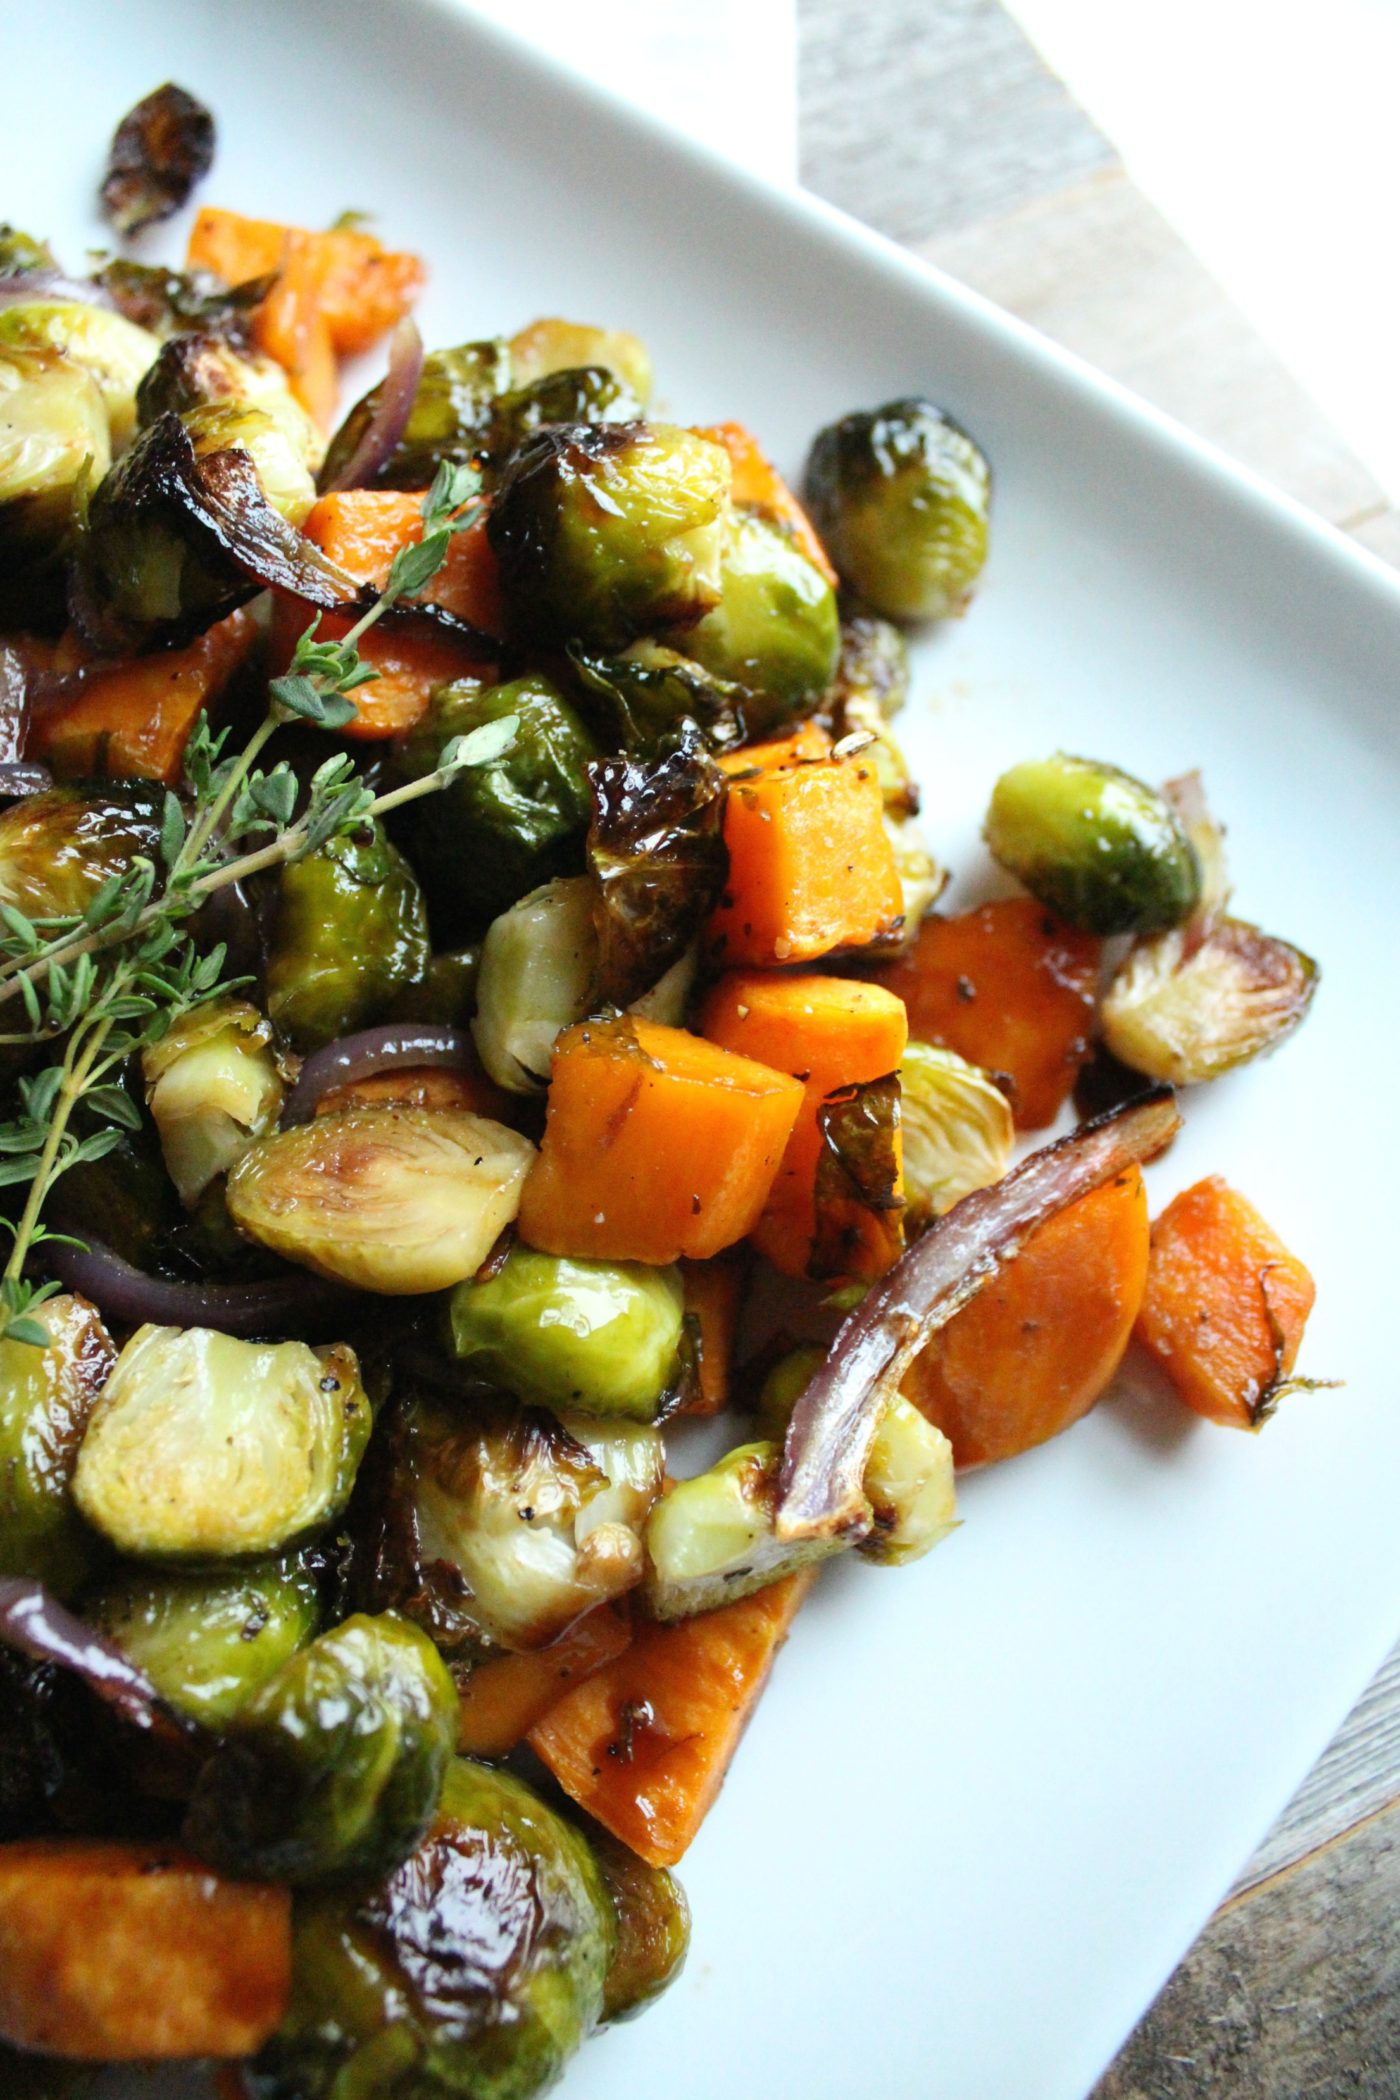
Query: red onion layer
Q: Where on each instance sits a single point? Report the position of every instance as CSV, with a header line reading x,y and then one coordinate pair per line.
x,y
399,1046
131,1297
393,406
43,1629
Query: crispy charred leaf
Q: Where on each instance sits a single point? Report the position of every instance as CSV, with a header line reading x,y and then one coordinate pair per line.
x,y
657,850
170,301
860,1203
636,700
160,150
872,676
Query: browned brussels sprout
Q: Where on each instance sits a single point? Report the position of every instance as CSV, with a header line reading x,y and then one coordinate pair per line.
x,y
160,150
212,1085
449,419
586,394
20,253
775,630
55,443
46,1398
1187,1010
900,495
473,1973
638,700
552,345
657,852
349,930
59,848
200,369
653,1927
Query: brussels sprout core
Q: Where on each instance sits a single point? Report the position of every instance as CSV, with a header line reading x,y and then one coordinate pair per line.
x,y
212,1085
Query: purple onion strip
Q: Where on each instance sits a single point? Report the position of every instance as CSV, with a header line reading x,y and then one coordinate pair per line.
x,y
131,1297
399,1046
389,417
43,1629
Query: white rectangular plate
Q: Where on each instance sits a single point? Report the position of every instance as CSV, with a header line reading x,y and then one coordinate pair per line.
x,y
989,1801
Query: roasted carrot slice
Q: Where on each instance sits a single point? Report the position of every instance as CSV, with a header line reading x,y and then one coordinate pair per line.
x,y
125,1951
1009,989
713,1290
643,1745
502,1700
132,719
757,481
1225,1307
657,1144
1039,1345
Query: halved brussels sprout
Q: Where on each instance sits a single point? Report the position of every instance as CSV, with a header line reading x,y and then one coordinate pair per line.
x,y
114,351
640,699
775,630
582,394
900,496
711,1539
473,1973
605,532
57,849
203,1448
922,878
908,1481
162,147
538,964
588,1337
859,1191
46,1399
208,1641
332,1770
1101,850
202,370
277,448
54,443
349,930
212,1085
1185,1010
552,345
395,1200
448,421
657,855
653,1927
958,1131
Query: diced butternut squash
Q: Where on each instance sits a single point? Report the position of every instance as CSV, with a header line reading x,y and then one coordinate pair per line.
x,y
643,1745
657,1144
808,741
713,1290
1225,1307
361,288
1040,1344
811,866
1008,988
131,720
503,1699
422,1086
236,248
121,1952
829,1032
757,481
290,326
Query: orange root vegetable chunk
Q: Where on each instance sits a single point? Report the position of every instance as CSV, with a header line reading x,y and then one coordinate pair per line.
x,y
808,741
713,1290
1039,1345
1008,988
361,288
1225,1307
132,720
828,1032
657,1144
757,481
119,1952
643,1745
811,867
290,326
503,1699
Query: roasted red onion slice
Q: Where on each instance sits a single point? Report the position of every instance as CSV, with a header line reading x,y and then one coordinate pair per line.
x,y
829,1437
276,1305
393,404
43,1629
397,1047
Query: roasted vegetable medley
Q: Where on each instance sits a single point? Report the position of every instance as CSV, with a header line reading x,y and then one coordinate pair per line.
x,y
473,995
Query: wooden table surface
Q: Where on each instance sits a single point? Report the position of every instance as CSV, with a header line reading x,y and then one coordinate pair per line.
x,y
936,122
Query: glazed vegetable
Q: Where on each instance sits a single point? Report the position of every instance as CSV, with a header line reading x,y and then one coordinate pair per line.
x,y
206,1448
585,1337
900,495
1225,1306
712,1290
504,1697
54,443
386,1199
775,630
710,1539
784,1384
447,421
658,860
657,1145
126,1952
758,486
606,532
640,699
490,2009
644,1743
161,149
956,1128
552,345
109,348
908,1483
208,1641
332,1770
1188,1009
212,1085
1101,850
349,930
58,849
538,965
859,1192
201,369
46,1399
653,1928
288,1302
399,1050
357,287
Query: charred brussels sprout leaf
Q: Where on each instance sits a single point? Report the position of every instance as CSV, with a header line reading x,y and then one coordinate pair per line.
x,y
657,850
332,1771
539,962
112,350
552,345
46,1398
201,369
872,676
900,496
212,1085
58,849
604,532
170,301
653,1927
349,930
587,394
449,420
1101,850
203,1448
161,149
588,1337
498,830
957,1130
775,631
1186,1010
472,1973
908,1482
640,699
711,1538
208,1641
54,444
859,1186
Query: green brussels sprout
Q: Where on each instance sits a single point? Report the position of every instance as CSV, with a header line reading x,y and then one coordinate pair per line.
x,y
501,829
204,1448
202,370
900,496
349,930
58,849
908,1482
208,1640
958,1131
783,1386
449,419
639,700
538,965
584,394
331,1771
473,1973
114,351
446,991
277,449
607,531
54,444
1186,1009
552,345
46,1401
1101,850
775,630
653,1927
388,1199
586,1337
657,854
21,253
711,1538
212,1085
